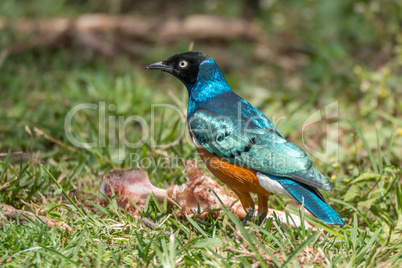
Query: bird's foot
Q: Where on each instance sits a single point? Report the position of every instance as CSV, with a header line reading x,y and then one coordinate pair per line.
x,y
249,214
261,217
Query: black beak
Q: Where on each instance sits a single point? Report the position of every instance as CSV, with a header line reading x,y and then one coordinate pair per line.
x,y
160,66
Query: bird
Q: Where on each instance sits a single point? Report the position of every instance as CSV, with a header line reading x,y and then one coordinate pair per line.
x,y
241,146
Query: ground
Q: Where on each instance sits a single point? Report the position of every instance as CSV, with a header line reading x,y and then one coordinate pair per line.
x,y
329,80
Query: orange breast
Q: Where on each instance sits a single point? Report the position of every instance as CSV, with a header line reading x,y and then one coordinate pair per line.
x,y
238,178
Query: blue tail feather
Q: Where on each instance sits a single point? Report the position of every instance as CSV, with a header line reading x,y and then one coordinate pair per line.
x,y
312,200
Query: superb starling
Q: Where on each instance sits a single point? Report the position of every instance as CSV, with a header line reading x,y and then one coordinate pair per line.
x,y
240,146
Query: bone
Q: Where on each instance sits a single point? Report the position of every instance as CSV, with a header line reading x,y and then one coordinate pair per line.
x,y
129,184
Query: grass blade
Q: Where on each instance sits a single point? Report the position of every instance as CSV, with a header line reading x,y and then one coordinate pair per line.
x,y
369,152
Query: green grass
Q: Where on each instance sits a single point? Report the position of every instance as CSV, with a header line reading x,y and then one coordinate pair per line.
x,y
56,179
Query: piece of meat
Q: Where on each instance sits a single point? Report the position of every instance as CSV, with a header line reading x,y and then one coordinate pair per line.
x,y
200,189
196,197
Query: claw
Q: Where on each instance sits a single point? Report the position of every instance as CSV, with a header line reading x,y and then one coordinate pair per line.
x,y
261,217
249,214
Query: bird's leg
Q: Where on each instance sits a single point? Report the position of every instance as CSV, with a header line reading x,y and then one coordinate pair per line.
x,y
262,207
248,205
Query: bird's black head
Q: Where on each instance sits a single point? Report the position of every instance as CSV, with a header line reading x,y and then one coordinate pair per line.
x,y
184,66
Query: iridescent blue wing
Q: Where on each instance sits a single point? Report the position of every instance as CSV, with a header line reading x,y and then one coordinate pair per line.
x,y
249,140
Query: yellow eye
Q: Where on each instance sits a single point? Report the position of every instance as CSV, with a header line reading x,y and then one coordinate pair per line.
x,y
183,64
